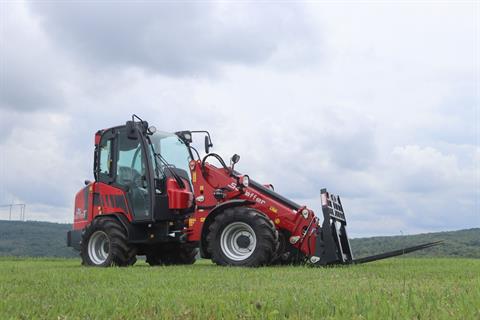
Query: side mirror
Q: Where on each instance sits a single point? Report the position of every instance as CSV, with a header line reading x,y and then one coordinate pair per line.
x,y
208,145
235,158
131,130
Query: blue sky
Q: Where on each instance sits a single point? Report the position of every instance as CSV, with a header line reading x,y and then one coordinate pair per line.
x,y
377,101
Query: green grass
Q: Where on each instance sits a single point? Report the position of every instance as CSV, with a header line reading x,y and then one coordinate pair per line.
x,y
389,289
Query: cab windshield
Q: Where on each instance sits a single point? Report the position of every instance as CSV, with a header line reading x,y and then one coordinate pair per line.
x,y
173,150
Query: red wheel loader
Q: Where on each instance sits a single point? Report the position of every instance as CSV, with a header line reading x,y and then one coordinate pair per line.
x,y
153,195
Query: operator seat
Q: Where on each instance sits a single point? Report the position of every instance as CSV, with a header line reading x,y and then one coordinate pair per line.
x,y
125,176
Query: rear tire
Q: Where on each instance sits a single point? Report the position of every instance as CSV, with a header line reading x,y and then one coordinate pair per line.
x,y
104,244
242,236
173,254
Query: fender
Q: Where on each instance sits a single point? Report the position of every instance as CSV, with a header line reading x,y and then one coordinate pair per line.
x,y
74,237
123,220
119,216
211,217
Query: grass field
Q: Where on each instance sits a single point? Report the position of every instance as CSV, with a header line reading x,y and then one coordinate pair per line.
x,y
389,289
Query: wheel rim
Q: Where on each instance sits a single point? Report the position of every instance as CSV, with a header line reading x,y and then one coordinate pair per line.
x,y
98,247
238,241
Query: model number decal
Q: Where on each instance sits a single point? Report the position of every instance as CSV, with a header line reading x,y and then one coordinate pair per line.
x,y
81,214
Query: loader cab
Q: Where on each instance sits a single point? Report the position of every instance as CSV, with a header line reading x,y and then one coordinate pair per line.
x,y
141,162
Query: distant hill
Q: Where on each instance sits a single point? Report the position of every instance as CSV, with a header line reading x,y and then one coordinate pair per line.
x,y
461,243
45,239
34,239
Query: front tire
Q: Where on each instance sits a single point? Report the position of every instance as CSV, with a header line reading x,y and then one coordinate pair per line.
x,y
242,236
104,244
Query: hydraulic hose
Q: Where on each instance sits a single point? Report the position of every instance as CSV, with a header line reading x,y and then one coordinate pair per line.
x,y
216,156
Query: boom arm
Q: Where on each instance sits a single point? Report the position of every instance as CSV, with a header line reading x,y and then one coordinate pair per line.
x,y
322,244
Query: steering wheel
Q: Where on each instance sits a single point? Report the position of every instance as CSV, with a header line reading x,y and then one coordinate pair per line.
x,y
135,156
137,178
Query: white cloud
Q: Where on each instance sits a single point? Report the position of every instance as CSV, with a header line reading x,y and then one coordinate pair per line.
x,y
175,38
438,172
32,73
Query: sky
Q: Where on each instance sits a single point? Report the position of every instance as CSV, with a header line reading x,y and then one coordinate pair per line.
x,y
376,101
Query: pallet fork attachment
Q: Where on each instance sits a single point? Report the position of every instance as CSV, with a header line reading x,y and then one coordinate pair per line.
x,y
395,253
332,244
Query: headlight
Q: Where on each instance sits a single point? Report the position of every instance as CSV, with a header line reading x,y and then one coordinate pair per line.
x,y
152,129
245,181
305,213
294,239
186,136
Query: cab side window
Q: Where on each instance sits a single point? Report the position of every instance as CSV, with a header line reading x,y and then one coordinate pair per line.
x,y
105,156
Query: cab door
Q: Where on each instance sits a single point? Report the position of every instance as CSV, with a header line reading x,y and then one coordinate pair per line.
x,y
122,163
134,174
